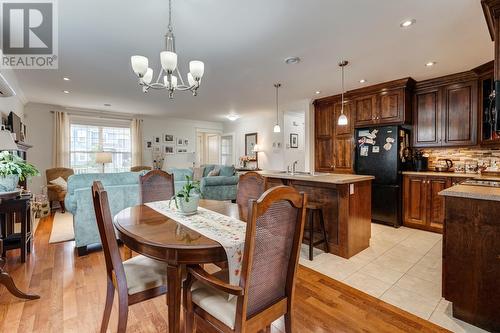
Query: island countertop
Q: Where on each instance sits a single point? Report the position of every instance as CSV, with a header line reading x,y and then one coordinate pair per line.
x,y
332,178
473,192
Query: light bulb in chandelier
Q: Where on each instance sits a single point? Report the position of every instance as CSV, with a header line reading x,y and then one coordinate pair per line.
x,y
148,76
168,61
277,128
197,69
139,65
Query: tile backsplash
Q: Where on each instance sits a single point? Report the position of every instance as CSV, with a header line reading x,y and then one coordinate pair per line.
x,y
487,156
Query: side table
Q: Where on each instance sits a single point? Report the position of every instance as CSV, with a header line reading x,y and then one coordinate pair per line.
x,y
12,210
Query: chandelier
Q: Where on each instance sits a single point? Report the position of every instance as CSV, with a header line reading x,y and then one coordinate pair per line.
x,y
168,58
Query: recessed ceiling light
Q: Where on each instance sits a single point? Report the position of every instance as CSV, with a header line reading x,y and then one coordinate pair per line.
x,y
66,91
232,117
430,64
362,81
318,92
408,23
292,60
107,104
66,78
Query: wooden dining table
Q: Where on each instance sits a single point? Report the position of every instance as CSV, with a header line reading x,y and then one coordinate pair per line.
x,y
150,233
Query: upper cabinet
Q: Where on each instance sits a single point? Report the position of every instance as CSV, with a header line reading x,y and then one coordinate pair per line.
x,y
334,147
383,104
488,134
445,111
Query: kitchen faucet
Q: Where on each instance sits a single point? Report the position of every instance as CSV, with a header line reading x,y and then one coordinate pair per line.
x,y
294,165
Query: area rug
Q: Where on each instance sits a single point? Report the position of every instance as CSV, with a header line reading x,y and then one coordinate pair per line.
x,y
62,228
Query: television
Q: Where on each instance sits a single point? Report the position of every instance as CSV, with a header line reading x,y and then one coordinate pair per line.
x,y
14,122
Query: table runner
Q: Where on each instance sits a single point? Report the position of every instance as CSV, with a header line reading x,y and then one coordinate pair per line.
x,y
227,231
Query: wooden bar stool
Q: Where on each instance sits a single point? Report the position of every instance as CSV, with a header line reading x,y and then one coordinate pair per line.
x,y
315,208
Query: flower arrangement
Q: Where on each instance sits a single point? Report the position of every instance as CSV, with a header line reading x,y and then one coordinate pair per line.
x,y
245,159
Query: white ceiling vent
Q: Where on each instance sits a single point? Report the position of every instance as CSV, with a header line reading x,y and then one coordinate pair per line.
x,y
5,88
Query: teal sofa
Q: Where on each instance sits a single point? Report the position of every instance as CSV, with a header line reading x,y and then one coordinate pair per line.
x,y
123,192
222,187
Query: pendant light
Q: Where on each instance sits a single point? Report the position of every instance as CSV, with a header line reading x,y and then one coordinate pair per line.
x,y
277,128
342,121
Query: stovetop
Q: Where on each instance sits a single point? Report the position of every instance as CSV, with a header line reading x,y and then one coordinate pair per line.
x,y
482,182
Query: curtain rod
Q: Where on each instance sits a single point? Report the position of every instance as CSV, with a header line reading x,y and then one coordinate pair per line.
x,y
98,115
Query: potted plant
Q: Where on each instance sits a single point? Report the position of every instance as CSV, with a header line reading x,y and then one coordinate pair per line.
x,y
186,199
12,169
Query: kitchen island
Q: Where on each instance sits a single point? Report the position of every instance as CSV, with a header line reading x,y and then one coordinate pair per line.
x,y
346,204
471,254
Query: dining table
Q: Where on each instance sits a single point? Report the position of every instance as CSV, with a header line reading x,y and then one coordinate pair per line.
x,y
150,233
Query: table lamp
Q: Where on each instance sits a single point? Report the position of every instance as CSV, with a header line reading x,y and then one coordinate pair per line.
x,y
6,141
256,149
103,157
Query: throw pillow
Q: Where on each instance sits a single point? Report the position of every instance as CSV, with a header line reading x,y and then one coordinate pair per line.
x,y
198,173
59,181
214,172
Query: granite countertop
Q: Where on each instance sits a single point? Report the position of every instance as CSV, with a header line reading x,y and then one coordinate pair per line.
x,y
473,192
450,174
442,174
332,178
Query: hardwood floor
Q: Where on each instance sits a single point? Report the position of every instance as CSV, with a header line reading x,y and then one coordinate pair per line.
x,y
72,291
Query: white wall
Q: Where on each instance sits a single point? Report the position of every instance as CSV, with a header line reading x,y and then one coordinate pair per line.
x,y
269,158
180,128
272,157
294,123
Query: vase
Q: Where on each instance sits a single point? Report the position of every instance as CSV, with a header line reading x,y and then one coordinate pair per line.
x,y
188,207
8,183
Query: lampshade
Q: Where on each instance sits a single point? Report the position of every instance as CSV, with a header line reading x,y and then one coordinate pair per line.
x,y
196,68
256,148
139,65
174,81
6,141
168,61
103,157
191,80
277,128
148,76
342,120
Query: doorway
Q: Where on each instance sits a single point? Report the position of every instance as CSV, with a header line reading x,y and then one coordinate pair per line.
x,y
208,146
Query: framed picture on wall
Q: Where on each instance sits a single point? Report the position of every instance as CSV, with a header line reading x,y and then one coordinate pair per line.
x,y
186,142
180,142
168,138
169,150
149,145
156,139
156,149
182,151
294,140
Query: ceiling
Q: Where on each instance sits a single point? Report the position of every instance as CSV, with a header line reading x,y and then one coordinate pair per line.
x,y
244,44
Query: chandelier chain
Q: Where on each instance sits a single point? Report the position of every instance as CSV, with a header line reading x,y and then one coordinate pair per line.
x,y
169,15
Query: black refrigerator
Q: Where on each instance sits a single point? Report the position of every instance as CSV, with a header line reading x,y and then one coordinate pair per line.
x,y
380,153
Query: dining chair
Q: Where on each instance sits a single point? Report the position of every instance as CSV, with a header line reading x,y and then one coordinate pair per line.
x,y
137,279
251,185
156,185
266,289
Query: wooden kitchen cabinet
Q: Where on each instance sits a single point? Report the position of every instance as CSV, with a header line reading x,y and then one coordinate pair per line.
x,y
445,111
334,144
387,103
423,208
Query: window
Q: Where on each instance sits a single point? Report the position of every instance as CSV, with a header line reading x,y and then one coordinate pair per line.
x,y
86,139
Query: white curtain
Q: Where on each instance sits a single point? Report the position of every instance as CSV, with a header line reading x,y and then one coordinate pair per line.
x,y
136,133
60,140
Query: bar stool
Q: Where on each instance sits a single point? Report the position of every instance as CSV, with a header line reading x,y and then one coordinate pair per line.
x,y
315,208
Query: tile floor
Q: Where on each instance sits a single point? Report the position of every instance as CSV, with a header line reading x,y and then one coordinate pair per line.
x,y
401,267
